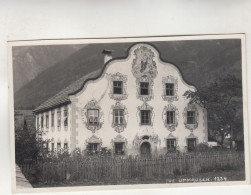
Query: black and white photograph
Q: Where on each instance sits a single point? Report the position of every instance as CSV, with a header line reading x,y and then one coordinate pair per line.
x,y
129,112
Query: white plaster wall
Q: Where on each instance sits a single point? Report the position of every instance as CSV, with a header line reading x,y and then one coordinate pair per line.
x,y
99,90
57,134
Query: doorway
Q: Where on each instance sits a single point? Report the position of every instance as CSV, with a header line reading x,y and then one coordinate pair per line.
x,y
145,149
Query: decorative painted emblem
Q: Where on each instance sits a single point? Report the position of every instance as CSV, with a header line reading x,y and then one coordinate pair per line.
x,y
93,139
119,127
95,123
170,107
191,107
170,79
151,138
143,64
117,77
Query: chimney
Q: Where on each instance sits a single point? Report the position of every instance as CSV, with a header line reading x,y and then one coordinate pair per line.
x,y
107,55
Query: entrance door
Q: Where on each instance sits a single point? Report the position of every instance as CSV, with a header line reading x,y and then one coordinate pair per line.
x,y
145,149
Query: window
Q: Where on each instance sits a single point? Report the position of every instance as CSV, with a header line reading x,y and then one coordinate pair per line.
x,y
52,119
118,116
169,89
46,146
59,117
171,144
65,116
190,117
42,121
37,121
58,146
191,143
47,120
66,146
144,88
93,116
119,148
145,117
117,87
170,117
93,147
52,147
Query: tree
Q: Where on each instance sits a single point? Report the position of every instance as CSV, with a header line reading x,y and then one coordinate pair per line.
x,y
223,101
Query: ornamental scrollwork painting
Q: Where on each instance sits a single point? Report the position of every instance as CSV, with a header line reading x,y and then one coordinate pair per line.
x,y
144,79
119,139
143,64
195,119
147,107
120,124
93,140
123,79
153,138
92,115
170,97
170,108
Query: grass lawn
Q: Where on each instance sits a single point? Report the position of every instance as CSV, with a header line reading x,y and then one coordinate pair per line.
x,y
214,176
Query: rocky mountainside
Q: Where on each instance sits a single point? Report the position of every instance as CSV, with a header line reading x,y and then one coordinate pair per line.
x,y
200,62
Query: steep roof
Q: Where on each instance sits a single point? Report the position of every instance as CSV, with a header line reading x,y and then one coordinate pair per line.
x,y
63,96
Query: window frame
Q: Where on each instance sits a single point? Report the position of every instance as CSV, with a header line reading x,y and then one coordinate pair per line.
x,y
65,116
144,88
194,144
121,148
58,117
116,87
52,118
171,146
170,117
120,117
191,117
42,121
93,147
142,121
47,120
169,91
88,117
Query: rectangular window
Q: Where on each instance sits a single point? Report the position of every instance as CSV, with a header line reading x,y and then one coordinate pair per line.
x,y
52,147
145,117
118,116
190,117
52,119
169,89
93,147
191,143
171,144
37,121
42,121
119,148
117,87
144,88
59,117
58,146
170,117
65,116
47,120
66,146
93,116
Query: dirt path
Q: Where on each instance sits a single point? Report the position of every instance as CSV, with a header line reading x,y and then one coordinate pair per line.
x,y
21,181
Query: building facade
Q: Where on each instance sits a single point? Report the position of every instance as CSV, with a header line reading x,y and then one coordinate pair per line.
x,y
134,106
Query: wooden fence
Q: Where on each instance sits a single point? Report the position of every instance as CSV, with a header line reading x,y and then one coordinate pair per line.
x,y
98,169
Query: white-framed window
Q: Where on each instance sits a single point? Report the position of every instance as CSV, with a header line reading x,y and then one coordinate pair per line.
x,y
119,148
144,88
117,87
145,117
58,145
171,144
52,147
65,146
65,116
118,116
191,144
190,117
47,120
93,147
59,117
52,118
169,89
42,121
93,116
37,121
170,117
